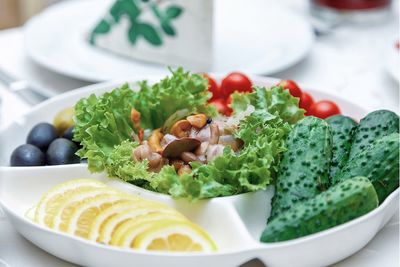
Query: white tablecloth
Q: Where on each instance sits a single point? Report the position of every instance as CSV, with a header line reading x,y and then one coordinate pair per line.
x,y
347,62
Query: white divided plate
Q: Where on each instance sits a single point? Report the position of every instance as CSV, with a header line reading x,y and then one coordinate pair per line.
x,y
260,38
392,61
234,222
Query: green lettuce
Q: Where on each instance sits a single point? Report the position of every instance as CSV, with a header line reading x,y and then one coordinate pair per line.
x,y
120,164
102,123
180,91
104,129
275,100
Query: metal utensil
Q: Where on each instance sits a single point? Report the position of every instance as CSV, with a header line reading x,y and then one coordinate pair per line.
x,y
29,94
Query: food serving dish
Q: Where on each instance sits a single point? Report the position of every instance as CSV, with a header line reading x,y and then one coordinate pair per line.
x,y
234,226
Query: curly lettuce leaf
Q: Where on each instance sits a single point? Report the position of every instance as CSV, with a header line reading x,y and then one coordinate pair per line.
x,y
275,100
103,122
120,164
180,91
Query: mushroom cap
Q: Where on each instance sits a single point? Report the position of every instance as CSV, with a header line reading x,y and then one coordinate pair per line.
x,y
176,147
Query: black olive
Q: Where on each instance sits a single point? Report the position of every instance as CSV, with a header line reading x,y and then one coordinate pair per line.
x,y
62,151
27,155
69,133
42,135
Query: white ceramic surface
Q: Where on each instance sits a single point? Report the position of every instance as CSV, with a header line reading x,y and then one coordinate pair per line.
x,y
392,61
56,40
235,227
3,263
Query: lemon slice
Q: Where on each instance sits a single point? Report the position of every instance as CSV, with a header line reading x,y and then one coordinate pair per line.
x,y
101,219
174,236
110,225
132,227
51,201
72,202
171,236
86,212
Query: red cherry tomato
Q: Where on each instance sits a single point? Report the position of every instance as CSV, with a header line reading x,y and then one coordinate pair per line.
x,y
306,101
293,88
398,45
323,109
221,106
213,87
236,81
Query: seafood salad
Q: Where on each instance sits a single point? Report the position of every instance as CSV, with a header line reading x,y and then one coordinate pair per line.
x,y
168,137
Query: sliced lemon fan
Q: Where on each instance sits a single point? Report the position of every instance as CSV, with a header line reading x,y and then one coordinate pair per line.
x,y
92,210
174,236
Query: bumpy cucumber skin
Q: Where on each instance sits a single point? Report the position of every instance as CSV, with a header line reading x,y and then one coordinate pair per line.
x,y
339,204
342,129
304,170
379,162
375,125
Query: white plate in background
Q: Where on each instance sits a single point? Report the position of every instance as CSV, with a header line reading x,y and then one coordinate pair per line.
x,y
260,37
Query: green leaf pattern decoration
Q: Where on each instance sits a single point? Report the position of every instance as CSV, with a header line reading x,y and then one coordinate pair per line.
x,y
138,28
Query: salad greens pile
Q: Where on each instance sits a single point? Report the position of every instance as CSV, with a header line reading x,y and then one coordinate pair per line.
x,y
104,129
276,101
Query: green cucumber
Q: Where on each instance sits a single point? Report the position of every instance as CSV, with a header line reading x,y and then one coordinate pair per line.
x,y
342,129
375,125
379,162
339,204
304,170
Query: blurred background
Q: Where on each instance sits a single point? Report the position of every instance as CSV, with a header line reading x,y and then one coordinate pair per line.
x,y
344,48
14,13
